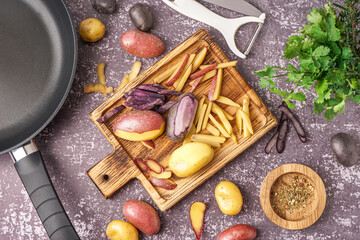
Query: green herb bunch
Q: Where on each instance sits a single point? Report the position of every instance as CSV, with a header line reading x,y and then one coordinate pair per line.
x,y
327,50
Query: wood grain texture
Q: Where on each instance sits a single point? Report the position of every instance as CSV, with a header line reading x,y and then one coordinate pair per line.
x,y
119,164
314,209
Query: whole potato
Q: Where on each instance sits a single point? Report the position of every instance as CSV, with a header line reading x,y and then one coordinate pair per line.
x,y
104,6
190,158
141,44
121,230
238,232
139,125
228,197
142,215
91,30
141,17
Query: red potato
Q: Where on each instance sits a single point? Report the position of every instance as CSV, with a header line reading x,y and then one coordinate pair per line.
x,y
167,184
141,44
238,232
139,125
142,215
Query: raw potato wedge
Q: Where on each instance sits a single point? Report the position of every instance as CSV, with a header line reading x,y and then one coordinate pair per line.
x,y
234,138
123,83
135,69
197,214
248,129
208,138
221,65
218,84
213,130
101,73
201,118
239,121
154,165
219,126
166,174
165,75
149,144
227,115
167,184
207,76
189,62
206,117
141,164
199,59
223,119
227,101
178,71
197,116
183,79
188,136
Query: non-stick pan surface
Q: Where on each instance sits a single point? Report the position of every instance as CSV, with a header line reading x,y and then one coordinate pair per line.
x,y
37,64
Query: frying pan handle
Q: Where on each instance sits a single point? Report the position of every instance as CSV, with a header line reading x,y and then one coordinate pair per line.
x,y
35,178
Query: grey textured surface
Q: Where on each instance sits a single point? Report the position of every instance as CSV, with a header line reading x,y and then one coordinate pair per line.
x,y
71,143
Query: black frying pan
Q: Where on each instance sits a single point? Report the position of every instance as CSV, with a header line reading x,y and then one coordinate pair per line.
x,y
37,64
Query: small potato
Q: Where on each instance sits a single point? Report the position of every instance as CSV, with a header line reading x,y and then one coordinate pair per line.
x,y
91,30
228,197
121,230
238,232
139,125
142,215
190,158
141,17
141,44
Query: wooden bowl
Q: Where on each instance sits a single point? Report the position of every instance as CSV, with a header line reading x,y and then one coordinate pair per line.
x,y
292,219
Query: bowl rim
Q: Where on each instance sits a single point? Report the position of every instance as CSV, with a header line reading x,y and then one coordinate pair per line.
x,y
265,196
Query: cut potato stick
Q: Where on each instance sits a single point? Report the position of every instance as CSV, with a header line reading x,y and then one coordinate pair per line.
x,y
212,87
223,119
221,65
202,72
95,87
178,71
208,138
135,69
165,75
201,102
227,101
239,121
219,126
184,78
206,117
213,144
196,82
218,84
189,134
123,83
227,115
201,117
207,76
248,130
199,59
101,73
234,138
190,60
246,110
213,130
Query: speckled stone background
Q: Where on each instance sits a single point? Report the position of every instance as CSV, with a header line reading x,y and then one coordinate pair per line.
x,y
71,143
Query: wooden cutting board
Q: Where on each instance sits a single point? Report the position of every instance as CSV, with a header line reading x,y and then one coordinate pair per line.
x,y
115,170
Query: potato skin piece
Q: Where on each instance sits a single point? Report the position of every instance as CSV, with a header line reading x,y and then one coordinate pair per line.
x,y
141,44
238,232
142,215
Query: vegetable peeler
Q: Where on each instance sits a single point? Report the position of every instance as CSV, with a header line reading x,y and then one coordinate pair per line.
x,y
227,26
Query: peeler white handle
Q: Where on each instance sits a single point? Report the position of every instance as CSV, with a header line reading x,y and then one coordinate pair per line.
x,y
228,27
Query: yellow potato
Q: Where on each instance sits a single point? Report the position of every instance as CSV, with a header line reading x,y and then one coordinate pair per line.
x,y
228,197
121,230
91,30
190,158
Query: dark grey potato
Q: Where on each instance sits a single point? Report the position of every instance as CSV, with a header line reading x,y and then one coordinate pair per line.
x,y
141,17
345,149
181,117
104,6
